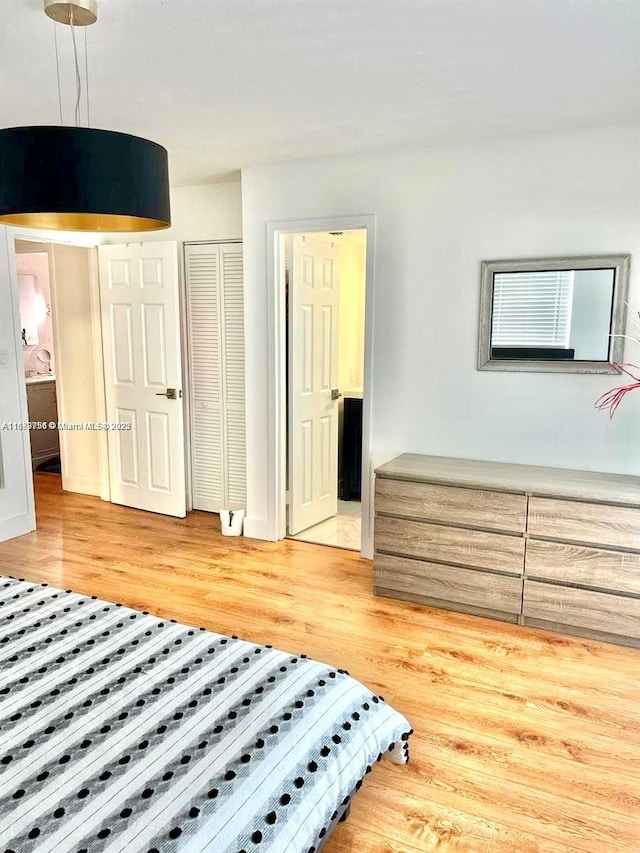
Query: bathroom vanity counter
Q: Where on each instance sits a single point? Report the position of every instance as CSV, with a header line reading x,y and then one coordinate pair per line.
x,y
353,394
43,408
40,378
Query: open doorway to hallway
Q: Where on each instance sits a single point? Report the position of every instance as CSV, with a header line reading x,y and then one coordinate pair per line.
x,y
38,350
57,328
326,292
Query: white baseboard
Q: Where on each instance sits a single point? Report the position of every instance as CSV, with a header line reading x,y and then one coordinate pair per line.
x,y
258,528
81,485
42,457
11,528
367,549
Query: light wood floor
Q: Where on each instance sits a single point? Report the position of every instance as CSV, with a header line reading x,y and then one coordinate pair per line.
x,y
524,741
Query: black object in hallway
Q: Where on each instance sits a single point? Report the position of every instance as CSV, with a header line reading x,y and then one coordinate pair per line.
x,y
51,466
352,449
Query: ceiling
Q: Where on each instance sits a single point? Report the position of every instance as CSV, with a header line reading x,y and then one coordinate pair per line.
x,y
226,84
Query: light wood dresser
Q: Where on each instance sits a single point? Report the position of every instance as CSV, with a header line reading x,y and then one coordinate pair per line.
x,y
548,547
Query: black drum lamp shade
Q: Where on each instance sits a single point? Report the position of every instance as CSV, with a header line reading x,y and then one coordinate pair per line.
x,y
81,179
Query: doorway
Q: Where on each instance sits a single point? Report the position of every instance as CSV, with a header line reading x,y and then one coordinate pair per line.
x,y
117,375
38,351
117,385
325,287
61,363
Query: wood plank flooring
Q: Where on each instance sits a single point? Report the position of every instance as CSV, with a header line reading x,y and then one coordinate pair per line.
x,y
525,741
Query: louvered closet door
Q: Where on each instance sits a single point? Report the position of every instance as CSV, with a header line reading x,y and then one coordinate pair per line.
x,y
233,372
216,353
205,356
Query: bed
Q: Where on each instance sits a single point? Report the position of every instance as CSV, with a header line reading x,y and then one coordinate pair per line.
x,y
123,731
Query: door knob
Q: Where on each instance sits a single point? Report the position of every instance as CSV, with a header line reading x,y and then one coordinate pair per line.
x,y
170,394
335,394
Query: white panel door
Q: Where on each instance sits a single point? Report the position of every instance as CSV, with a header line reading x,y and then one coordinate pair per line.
x,y
313,375
142,362
17,510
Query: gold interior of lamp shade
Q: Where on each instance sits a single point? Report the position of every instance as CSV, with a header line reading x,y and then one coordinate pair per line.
x,y
83,222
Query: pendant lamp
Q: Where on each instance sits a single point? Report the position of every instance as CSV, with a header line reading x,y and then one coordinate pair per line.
x,y
79,178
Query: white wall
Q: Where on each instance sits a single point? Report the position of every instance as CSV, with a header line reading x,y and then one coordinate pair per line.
x,y
204,212
76,377
353,267
17,515
439,212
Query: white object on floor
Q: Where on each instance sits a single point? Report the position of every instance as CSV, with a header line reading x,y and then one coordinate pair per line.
x,y
343,530
231,521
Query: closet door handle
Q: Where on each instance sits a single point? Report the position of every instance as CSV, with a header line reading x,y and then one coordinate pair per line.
x,y
170,394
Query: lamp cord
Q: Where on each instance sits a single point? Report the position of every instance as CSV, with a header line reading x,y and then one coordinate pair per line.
x,y
55,41
77,67
86,75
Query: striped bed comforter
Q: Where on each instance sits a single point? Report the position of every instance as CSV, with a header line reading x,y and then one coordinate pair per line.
x,y
122,731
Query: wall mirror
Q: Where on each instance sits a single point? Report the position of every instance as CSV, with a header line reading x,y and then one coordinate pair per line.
x,y
31,309
553,314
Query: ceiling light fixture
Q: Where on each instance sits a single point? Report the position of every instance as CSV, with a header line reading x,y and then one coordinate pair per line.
x,y
79,178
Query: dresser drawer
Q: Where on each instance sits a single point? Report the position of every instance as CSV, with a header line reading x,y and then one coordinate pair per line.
x,y
597,524
581,564
452,505
447,586
441,544
581,608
